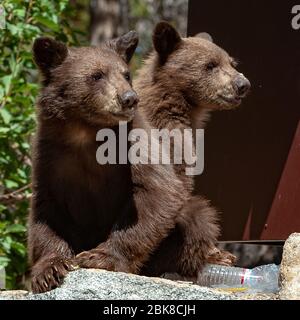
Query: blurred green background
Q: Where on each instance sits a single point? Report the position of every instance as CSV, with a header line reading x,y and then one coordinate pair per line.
x,y
77,23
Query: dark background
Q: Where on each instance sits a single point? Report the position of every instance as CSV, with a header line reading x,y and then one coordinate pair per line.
x,y
247,149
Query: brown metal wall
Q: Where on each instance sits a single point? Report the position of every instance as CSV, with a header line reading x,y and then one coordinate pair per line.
x,y
246,150
284,216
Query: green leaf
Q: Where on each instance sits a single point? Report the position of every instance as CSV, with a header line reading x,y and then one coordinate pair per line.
x,y
4,261
6,80
15,228
6,116
19,13
1,93
12,28
10,184
25,145
62,5
6,243
19,248
12,63
47,23
3,130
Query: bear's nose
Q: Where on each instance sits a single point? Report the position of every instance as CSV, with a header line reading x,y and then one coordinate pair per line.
x,y
129,99
242,86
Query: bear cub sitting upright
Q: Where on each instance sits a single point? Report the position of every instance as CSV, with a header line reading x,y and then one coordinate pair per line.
x,y
181,82
76,202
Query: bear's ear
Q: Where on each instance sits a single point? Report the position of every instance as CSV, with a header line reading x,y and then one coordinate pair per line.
x,y
165,39
126,45
48,54
204,35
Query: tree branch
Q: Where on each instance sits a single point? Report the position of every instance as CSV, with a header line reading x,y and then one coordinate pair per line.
x,y
15,196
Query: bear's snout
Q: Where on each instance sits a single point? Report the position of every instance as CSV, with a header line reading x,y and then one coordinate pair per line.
x,y
128,99
241,85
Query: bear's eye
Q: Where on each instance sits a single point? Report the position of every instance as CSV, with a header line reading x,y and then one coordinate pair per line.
x,y
97,76
211,65
127,76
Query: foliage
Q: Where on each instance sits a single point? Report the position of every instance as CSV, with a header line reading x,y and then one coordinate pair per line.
x,y
144,14
25,20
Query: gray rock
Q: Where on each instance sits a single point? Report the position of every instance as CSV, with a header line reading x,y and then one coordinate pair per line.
x,y
89,284
13,295
290,269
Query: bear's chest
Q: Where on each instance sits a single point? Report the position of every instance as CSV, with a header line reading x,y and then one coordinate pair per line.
x,y
97,198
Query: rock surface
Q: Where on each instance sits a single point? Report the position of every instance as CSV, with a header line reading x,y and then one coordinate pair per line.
x,y
92,284
290,269
89,284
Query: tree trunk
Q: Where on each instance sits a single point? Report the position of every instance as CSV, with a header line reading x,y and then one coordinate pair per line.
x,y
105,20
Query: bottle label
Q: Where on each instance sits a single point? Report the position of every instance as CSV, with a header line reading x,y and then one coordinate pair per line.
x,y
243,276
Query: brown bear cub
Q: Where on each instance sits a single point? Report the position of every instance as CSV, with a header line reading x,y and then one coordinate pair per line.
x,y
140,218
181,82
109,216
77,202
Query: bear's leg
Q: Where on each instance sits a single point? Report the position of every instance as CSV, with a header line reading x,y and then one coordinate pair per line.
x,y
50,258
200,228
191,244
165,258
159,196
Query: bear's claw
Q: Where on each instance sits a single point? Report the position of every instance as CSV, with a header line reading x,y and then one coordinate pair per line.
x,y
221,257
49,274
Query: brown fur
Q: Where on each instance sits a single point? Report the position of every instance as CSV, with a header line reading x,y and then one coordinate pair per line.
x,y
139,218
96,216
67,215
158,197
180,83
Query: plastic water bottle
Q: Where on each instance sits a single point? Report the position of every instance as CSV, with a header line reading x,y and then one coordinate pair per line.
x,y
261,279
2,278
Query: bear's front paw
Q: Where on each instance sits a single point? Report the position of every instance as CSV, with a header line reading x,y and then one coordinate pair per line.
x,y
103,257
48,274
221,257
